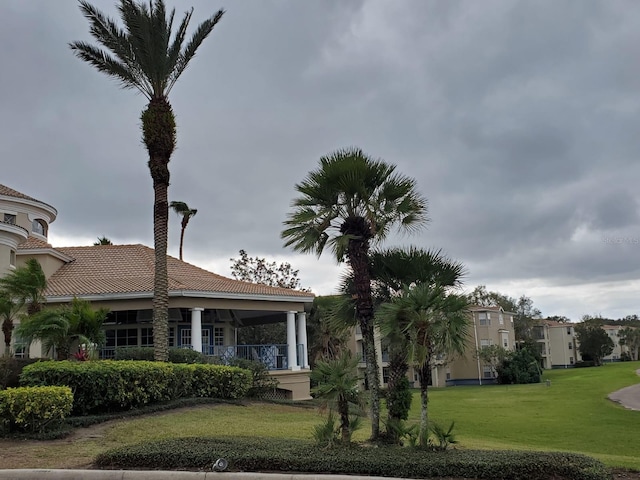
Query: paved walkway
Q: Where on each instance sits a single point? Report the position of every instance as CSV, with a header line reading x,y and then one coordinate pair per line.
x,y
628,397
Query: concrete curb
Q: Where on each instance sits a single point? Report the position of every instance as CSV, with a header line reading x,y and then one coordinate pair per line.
x,y
54,474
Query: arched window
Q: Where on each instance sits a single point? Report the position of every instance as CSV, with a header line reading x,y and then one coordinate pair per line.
x,y
39,226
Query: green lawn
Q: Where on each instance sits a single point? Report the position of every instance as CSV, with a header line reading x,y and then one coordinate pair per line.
x,y
573,414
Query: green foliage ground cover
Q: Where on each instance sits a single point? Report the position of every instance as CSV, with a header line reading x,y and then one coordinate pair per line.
x,y
251,454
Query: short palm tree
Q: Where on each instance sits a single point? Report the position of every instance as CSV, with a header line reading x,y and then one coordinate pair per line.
x,y
337,386
348,203
61,328
392,270
183,209
143,56
435,323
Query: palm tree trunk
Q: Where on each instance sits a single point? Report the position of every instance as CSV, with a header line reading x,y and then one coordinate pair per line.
x,y
359,260
7,329
159,135
181,240
345,427
425,378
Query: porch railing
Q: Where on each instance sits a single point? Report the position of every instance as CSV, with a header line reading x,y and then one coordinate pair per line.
x,y
274,357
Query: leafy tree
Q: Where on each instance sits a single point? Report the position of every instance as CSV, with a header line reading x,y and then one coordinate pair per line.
x,y
337,385
348,203
520,366
20,288
630,337
259,270
142,56
436,323
493,356
102,241
63,327
594,343
183,209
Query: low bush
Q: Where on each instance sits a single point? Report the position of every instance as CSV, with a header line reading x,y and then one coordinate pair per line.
x,y
270,454
176,355
11,368
585,363
113,385
34,409
262,384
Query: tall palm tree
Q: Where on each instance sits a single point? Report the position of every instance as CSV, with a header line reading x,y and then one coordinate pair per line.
x,y
22,287
436,323
183,209
143,56
348,203
392,270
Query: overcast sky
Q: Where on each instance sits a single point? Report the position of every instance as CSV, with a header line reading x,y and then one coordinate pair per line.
x,y
519,121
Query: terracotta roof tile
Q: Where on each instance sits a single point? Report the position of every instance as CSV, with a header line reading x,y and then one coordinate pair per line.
x,y
113,269
33,243
10,192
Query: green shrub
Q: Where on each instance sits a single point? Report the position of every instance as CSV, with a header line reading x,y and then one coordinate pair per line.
x,y
585,363
399,399
116,385
270,454
11,368
520,366
176,355
34,409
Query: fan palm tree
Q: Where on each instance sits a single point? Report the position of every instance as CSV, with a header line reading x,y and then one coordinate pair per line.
x,y
348,203
394,269
22,287
337,386
435,323
143,56
183,209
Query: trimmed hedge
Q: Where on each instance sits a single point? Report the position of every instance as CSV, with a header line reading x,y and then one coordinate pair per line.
x,y
113,385
11,368
176,355
271,454
33,409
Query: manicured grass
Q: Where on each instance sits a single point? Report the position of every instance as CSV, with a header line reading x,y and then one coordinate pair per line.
x,y
573,414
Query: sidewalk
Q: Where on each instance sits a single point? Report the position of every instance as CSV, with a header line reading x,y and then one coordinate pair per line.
x,y
628,397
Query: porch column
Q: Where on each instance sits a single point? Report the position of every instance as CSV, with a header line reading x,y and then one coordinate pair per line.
x,y
196,329
302,338
292,361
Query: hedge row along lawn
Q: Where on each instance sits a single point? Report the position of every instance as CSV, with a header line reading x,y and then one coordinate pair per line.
x,y
262,454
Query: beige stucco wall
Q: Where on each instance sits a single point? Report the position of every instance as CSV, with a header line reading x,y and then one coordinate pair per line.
x,y
295,381
49,263
5,253
563,346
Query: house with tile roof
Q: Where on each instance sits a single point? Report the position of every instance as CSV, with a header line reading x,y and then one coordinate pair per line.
x,y
205,309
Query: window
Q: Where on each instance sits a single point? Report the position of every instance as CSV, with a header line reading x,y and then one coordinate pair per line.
x,y
448,375
218,336
570,345
172,336
501,319
487,371
571,360
206,340
568,330
12,258
185,337
484,343
146,337
385,375
39,227
10,218
485,318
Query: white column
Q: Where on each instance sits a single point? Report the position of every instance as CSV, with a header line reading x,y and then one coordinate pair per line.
x,y
292,362
196,329
302,338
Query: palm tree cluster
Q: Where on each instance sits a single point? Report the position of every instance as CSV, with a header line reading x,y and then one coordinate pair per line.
x,y
351,203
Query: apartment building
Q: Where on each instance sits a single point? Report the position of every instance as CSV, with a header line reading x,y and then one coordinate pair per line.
x,y
557,343
614,334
